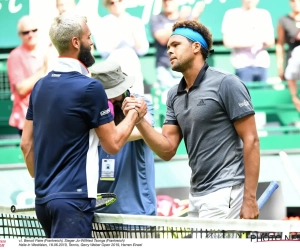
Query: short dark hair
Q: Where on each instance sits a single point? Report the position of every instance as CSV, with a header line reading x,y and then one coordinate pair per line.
x,y
201,29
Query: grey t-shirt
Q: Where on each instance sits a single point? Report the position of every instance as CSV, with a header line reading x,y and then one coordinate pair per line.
x,y
290,32
159,22
206,115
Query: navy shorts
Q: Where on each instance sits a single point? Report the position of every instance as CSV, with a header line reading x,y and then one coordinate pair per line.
x,y
67,218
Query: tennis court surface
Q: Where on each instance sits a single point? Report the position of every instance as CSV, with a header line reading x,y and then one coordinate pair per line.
x,y
25,225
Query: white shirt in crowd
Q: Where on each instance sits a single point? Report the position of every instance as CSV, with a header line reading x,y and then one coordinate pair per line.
x,y
115,39
249,25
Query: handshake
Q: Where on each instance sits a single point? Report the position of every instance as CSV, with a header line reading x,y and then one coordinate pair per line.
x,y
132,104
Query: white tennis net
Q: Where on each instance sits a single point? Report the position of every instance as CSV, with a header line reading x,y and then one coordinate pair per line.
x,y
136,226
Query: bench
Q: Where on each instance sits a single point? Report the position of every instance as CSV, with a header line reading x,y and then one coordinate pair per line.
x,y
275,101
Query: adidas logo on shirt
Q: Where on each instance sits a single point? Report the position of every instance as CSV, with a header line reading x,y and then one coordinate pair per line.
x,y
201,103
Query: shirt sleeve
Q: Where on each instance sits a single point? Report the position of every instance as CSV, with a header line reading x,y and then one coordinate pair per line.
x,y
292,71
267,25
29,113
281,21
14,69
95,105
227,22
235,98
170,114
156,24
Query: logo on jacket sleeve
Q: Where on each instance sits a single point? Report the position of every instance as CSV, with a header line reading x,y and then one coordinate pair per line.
x,y
244,103
104,112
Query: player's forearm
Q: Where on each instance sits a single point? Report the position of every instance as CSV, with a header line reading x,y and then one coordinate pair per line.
x,y
27,150
23,88
156,141
252,166
123,131
135,135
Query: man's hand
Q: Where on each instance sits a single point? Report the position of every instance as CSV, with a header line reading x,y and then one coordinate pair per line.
x,y
137,104
249,209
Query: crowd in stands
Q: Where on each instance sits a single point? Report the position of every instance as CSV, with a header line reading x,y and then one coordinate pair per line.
x,y
247,31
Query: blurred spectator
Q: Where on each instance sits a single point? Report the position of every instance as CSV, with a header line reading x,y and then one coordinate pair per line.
x,y
249,31
161,29
292,74
65,6
122,38
288,32
26,64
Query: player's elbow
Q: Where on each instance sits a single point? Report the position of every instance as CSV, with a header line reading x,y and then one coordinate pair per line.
x,y
25,146
252,140
112,149
166,156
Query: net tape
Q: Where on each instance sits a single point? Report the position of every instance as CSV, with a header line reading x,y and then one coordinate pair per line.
x,y
136,226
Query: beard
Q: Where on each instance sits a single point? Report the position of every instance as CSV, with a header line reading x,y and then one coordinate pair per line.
x,y
183,64
181,67
85,56
119,115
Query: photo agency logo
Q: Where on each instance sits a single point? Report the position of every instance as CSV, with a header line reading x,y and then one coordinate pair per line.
x,y
269,237
2,243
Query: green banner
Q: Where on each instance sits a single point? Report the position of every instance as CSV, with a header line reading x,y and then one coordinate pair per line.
x,y
12,10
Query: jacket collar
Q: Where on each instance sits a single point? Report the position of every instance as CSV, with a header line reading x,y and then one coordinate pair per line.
x,y
65,64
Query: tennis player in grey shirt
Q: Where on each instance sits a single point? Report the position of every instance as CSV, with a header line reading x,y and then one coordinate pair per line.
x,y
212,111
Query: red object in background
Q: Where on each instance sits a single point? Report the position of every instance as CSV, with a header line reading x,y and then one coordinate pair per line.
x,y
169,206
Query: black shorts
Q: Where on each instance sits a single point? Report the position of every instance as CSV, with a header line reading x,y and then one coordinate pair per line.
x,y
67,218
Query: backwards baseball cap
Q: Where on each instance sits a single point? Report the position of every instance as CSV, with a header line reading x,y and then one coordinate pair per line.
x,y
114,81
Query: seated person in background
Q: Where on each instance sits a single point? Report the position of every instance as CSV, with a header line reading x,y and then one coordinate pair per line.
x,y
292,74
248,31
288,32
161,29
26,64
121,37
131,171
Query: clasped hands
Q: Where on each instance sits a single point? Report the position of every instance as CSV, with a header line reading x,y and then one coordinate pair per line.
x,y
134,104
